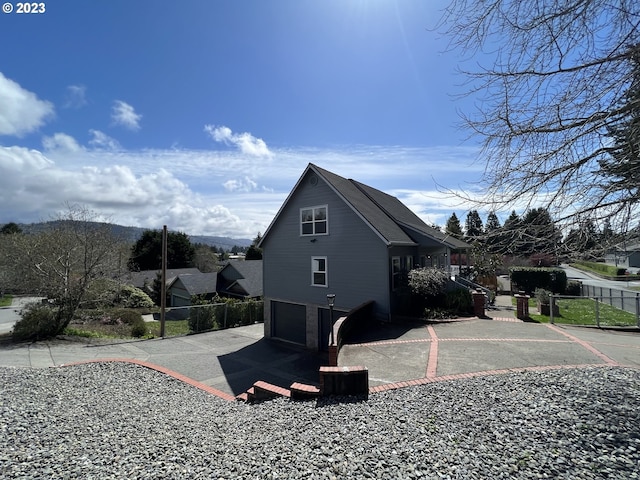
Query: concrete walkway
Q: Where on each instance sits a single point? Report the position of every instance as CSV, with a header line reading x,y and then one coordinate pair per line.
x,y
400,355
228,362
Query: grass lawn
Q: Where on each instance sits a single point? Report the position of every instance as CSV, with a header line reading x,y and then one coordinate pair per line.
x,y
5,300
582,311
172,328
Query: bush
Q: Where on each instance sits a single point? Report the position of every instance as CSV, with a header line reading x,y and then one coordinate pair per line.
x,y
459,301
574,288
37,322
105,293
543,296
603,268
529,278
203,318
428,282
138,328
133,319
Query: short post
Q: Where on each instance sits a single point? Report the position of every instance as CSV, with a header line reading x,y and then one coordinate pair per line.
x,y
638,309
333,348
479,301
522,306
551,304
598,311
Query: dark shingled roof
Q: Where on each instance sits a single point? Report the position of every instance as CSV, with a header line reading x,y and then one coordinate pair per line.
x,y
385,214
248,275
198,283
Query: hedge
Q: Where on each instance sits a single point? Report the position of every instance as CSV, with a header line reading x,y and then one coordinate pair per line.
x,y
527,279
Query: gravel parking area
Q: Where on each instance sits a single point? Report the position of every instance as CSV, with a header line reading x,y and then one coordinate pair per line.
x,y
117,420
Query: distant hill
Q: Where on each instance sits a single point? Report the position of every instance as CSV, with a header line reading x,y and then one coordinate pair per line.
x,y
132,234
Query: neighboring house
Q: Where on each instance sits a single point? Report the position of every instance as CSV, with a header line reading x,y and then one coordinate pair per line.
x,y
623,255
145,278
241,279
338,236
186,285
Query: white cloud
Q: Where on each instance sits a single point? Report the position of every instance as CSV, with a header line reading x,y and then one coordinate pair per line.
x,y
203,192
61,141
76,96
240,185
101,140
124,115
245,142
21,111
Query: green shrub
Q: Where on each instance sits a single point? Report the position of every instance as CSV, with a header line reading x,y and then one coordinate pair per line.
x,y
204,318
428,282
603,268
128,317
37,322
542,296
529,278
133,319
459,301
574,288
138,328
106,293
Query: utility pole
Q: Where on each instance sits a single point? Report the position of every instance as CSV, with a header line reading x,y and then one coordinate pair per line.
x,y
163,289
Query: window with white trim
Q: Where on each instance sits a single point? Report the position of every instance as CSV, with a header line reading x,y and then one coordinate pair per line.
x,y
313,220
319,272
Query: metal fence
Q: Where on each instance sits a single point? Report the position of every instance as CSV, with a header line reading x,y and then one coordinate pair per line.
x,y
600,310
622,299
217,316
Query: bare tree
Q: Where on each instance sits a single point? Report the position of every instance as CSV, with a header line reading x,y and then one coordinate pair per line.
x,y
62,260
546,103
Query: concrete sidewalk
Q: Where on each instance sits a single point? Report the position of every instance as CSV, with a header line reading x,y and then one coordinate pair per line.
x,y
230,361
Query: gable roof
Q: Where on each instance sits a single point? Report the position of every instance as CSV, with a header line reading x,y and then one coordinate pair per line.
x,y
247,278
139,279
387,216
197,283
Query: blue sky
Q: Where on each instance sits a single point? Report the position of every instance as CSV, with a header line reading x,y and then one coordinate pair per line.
x,y
201,115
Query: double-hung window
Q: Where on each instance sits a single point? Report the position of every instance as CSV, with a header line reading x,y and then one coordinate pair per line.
x,y
313,220
319,272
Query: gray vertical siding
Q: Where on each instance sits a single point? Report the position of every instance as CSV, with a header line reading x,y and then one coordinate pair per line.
x,y
357,259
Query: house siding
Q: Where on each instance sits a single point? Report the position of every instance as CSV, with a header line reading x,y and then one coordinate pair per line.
x,y
350,247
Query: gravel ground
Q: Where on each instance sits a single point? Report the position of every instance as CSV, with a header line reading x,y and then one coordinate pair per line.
x,y
124,421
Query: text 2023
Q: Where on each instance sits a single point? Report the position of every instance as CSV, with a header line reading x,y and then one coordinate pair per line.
x,y
30,7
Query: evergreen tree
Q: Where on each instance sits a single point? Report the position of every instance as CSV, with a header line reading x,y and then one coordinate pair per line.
x,y
623,166
492,231
253,252
146,254
10,228
453,227
473,226
539,233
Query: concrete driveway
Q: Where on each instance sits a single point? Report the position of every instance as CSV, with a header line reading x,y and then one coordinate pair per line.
x,y
228,362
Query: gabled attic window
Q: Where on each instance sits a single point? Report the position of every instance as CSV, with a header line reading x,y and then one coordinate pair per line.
x,y
313,221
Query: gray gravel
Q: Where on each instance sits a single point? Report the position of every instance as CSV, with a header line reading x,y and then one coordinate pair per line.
x,y
124,421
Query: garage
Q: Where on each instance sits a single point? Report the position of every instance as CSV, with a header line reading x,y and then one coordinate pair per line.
x,y
289,322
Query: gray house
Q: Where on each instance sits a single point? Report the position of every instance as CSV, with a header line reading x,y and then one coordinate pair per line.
x,y
623,255
337,236
241,279
180,289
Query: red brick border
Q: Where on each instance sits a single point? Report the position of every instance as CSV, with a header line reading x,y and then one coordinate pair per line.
x,y
432,361
166,371
584,344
